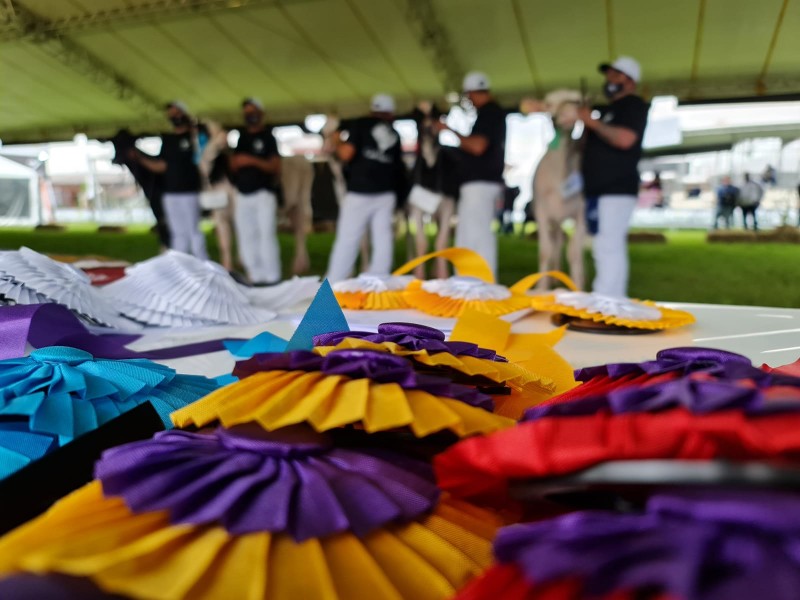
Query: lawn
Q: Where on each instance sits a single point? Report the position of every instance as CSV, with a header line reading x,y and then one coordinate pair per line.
x,y
685,269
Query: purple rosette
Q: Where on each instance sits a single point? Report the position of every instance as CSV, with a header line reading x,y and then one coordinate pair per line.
x,y
379,367
712,361
697,395
411,336
694,546
248,480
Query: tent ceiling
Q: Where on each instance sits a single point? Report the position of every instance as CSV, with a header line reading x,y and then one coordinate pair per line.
x,y
92,66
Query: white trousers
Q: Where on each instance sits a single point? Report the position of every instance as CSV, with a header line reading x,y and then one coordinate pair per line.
x,y
183,219
257,237
357,214
610,244
476,211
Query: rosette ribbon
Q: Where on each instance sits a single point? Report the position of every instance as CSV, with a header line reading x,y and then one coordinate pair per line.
x,y
229,476
693,546
237,514
374,390
58,393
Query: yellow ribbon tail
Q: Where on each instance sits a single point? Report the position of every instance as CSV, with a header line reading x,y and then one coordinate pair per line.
x,y
465,262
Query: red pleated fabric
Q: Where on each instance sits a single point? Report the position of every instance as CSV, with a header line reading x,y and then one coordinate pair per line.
x,y
481,467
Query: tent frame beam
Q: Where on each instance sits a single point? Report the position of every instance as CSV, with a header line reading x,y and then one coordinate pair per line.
x,y
432,36
36,29
118,16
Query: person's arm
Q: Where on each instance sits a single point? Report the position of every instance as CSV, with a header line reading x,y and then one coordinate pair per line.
x,y
271,164
475,144
345,151
155,165
617,136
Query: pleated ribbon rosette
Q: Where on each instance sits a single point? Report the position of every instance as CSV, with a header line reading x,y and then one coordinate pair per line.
x,y
373,292
375,391
700,545
179,290
511,386
27,277
249,515
722,409
622,312
700,380
58,393
473,288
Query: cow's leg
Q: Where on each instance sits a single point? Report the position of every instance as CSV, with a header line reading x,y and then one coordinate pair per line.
x,y
444,216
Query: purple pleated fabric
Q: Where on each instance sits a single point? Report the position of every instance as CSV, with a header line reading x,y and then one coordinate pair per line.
x,y
379,367
249,480
412,337
51,586
697,394
693,546
719,363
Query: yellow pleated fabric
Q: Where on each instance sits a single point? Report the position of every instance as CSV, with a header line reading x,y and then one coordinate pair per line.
x,y
276,399
531,351
670,318
443,306
391,300
144,557
467,263
528,388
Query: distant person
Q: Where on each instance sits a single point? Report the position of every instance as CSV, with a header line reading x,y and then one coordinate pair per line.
x,y
610,172
373,160
215,170
256,167
657,188
749,200
178,161
727,197
769,176
434,190
481,166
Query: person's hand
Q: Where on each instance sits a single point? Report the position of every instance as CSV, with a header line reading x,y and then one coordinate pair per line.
x,y
133,154
585,115
239,161
438,126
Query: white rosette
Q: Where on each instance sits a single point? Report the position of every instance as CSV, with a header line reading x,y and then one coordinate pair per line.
x,y
466,288
27,277
179,290
623,308
283,295
367,283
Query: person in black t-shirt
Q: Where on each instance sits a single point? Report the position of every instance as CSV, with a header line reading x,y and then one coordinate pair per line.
x,y
178,162
610,172
481,165
375,171
256,164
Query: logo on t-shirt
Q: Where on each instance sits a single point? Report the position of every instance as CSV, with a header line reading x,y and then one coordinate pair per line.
x,y
385,138
608,117
185,144
258,146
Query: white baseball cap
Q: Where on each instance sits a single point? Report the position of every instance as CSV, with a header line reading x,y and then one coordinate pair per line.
x,y
626,65
475,81
253,101
180,105
382,103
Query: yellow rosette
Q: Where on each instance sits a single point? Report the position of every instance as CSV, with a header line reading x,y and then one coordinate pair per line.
x,y
276,399
144,556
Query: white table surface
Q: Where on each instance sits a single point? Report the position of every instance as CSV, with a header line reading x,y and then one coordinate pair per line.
x,y
765,335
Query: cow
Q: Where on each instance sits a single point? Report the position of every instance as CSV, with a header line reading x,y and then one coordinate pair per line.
x,y
555,176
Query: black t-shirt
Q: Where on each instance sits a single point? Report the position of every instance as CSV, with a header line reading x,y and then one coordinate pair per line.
x,y
491,123
261,144
377,166
182,175
609,170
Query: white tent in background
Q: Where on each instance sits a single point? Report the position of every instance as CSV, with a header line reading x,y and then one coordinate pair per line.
x,y
19,194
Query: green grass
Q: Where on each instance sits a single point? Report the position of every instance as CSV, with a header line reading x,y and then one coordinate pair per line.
x,y
686,269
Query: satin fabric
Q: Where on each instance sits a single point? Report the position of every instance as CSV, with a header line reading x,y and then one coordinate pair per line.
x,y
276,399
143,556
557,446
